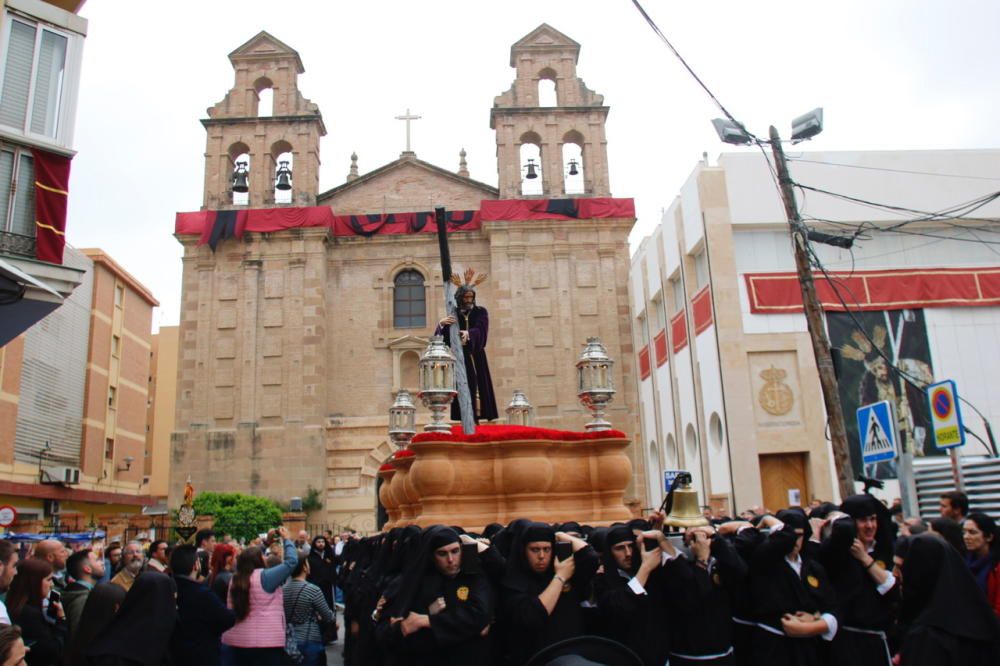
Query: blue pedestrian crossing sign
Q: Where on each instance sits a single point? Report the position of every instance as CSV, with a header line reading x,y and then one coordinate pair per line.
x,y
877,432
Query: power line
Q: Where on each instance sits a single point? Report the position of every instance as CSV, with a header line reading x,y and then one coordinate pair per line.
x,y
889,170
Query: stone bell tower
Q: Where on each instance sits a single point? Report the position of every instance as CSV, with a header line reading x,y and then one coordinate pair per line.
x,y
241,128
578,117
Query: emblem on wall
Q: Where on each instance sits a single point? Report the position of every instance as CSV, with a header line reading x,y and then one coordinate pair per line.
x,y
775,397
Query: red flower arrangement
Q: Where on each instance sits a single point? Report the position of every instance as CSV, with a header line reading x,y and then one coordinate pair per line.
x,y
403,453
506,433
384,467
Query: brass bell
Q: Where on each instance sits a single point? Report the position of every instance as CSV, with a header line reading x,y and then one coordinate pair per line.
x,y
284,177
684,509
573,171
532,174
241,178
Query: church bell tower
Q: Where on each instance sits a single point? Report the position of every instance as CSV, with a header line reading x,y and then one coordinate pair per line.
x,y
262,147
551,116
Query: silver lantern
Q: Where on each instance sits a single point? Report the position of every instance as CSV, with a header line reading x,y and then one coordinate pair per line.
x,y
595,386
402,416
437,382
519,411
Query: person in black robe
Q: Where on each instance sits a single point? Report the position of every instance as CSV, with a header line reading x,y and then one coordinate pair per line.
x,y
323,567
946,618
540,595
139,634
443,610
630,594
792,597
856,551
474,327
699,609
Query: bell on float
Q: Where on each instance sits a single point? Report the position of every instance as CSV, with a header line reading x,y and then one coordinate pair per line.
x,y
573,171
531,170
241,178
284,180
683,502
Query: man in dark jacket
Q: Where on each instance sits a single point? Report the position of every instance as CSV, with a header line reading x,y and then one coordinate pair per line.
x,y
86,567
201,617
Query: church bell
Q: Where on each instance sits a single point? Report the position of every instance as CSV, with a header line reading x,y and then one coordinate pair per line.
x,y
573,171
684,511
532,174
241,178
284,177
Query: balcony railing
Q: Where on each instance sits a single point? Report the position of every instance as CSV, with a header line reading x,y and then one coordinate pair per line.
x,y
17,244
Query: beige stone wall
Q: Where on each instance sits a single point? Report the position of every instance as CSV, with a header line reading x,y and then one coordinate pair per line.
x,y
163,403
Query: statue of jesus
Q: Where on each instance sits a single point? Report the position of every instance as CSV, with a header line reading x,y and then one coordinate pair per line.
x,y
474,325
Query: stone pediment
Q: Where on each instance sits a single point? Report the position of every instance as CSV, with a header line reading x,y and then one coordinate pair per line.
x,y
406,185
264,45
408,342
547,38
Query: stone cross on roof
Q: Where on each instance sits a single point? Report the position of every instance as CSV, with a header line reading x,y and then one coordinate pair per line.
x,y
408,117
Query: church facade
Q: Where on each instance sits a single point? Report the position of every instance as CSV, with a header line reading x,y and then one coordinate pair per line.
x,y
305,312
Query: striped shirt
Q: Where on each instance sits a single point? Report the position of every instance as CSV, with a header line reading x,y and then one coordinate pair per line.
x,y
304,603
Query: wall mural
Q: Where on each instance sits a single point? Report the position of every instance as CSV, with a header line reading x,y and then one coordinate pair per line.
x,y
865,377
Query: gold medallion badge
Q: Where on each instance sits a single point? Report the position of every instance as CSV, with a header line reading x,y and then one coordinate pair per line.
x,y
813,581
462,593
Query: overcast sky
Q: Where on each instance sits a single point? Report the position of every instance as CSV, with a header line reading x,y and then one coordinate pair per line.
x,y
890,74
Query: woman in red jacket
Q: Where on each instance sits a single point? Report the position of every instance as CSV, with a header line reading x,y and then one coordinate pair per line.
x,y
982,545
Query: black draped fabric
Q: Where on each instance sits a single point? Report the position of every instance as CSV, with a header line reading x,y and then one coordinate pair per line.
x,y
456,635
860,606
948,620
635,619
776,589
527,622
744,543
477,367
140,632
323,568
100,608
699,612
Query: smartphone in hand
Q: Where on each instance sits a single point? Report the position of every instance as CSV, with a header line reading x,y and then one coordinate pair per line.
x,y
564,550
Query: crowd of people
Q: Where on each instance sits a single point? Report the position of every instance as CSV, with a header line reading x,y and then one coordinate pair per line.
x,y
853,583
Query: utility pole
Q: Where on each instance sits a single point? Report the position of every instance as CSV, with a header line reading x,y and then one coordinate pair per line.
x,y
814,318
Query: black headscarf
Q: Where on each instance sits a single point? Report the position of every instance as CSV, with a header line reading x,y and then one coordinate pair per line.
x,y
419,563
939,592
598,538
491,530
100,608
570,527
140,631
616,535
951,532
519,574
504,539
864,505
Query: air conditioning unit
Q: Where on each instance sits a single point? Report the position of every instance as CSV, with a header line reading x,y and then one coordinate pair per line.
x,y
61,475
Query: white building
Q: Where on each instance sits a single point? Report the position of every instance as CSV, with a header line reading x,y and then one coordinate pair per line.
x,y
728,386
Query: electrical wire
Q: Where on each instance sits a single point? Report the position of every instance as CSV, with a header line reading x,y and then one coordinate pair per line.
x,y
889,170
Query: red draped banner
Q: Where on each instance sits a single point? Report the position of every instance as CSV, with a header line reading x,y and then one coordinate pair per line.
x,y
773,293
51,198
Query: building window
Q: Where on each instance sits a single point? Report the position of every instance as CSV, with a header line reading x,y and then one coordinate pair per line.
x,y
116,346
17,197
661,313
112,397
640,323
119,295
32,94
109,448
701,268
677,286
409,306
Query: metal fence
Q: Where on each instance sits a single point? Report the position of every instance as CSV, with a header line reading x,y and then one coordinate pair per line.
x,y
981,480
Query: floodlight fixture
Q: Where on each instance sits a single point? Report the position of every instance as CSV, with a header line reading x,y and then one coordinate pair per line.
x,y
807,125
730,132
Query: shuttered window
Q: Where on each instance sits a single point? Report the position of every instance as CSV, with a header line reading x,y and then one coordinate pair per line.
x,y
17,192
33,78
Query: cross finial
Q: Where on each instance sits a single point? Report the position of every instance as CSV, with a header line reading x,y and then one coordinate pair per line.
x,y
408,117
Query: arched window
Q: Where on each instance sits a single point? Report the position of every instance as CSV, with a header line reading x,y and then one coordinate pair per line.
x,y
547,93
655,475
239,157
409,307
265,97
409,376
284,167
531,164
572,159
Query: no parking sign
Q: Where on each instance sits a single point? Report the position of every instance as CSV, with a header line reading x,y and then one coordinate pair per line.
x,y
946,417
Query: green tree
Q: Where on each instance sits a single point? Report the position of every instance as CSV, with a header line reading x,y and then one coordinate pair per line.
x,y
243,516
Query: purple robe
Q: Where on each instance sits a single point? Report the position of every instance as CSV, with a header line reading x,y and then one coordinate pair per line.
x,y
477,369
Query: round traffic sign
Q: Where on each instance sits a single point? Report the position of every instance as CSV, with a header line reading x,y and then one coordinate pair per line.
x,y
8,515
942,403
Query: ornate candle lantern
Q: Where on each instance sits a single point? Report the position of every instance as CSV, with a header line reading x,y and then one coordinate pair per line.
x,y
519,411
402,415
595,387
437,382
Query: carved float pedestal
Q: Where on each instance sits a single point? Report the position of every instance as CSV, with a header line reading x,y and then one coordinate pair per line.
x,y
500,473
